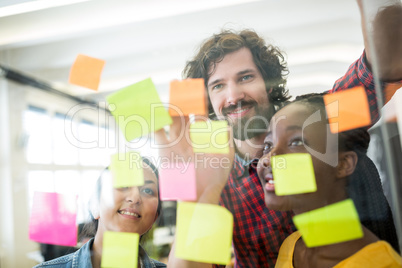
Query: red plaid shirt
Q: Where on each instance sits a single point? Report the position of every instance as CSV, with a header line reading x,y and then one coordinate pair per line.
x,y
258,231
359,74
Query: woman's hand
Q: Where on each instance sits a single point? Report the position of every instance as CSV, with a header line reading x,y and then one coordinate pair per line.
x,y
212,170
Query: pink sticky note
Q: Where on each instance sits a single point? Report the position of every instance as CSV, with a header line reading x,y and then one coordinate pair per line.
x,y
177,182
53,219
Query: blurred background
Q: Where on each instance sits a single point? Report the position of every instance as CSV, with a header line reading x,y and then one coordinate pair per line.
x,y
49,142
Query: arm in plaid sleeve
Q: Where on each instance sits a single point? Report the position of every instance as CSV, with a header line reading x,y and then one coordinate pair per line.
x,y
359,74
212,172
387,36
381,22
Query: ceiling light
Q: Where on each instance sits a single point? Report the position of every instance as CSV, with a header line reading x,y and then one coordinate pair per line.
x,y
34,6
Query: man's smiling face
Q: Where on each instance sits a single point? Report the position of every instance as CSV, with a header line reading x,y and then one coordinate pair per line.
x,y
237,92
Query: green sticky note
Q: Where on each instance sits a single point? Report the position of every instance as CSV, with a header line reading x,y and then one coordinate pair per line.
x,y
293,174
127,170
120,250
210,137
204,233
138,110
331,224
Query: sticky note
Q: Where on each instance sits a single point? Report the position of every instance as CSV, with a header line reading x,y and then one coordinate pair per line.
x,y
348,109
53,219
126,169
138,110
204,233
293,174
331,224
120,250
86,72
177,181
210,137
187,97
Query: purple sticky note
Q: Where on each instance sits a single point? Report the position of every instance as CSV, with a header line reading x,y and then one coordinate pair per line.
x,y
177,182
53,219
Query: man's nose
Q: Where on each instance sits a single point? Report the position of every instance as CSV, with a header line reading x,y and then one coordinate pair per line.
x,y
234,93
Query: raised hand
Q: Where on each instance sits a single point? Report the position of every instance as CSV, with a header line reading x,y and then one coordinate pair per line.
x,y
212,169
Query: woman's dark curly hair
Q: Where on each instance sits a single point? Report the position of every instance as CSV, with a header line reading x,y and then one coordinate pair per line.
x,y
268,58
364,185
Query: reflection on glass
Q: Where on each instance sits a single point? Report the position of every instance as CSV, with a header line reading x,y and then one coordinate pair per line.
x,y
88,182
107,145
65,152
67,182
38,129
88,137
39,181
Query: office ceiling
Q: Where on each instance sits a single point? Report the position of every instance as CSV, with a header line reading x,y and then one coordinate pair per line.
x,y
154,38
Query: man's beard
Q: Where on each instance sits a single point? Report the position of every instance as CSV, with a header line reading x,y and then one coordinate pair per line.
x,y
249,127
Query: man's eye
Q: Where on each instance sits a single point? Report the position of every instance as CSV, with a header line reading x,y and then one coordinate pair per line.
x,y
246,77
217,86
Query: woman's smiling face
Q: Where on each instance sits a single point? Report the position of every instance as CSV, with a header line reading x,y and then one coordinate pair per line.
x,y
288,134
129,209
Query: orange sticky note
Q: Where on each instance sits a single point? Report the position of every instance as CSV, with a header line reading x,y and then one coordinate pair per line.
x,y
86,72
187,97
347,109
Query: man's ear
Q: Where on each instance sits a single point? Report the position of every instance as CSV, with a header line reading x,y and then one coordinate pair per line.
x,y
347,164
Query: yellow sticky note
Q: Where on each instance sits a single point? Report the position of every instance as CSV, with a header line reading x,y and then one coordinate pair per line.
x,y
293,174
204,233
127,170
120,250
331,224
138,110
210,137
86,72
188,97
348,109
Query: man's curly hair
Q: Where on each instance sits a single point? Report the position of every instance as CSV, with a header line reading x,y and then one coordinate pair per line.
x,y
268,58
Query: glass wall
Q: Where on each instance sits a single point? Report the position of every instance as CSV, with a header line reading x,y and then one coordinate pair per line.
x,y
289,166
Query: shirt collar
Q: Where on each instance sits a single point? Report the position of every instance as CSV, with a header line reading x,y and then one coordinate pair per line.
x,y
84,255
146,261
242,166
